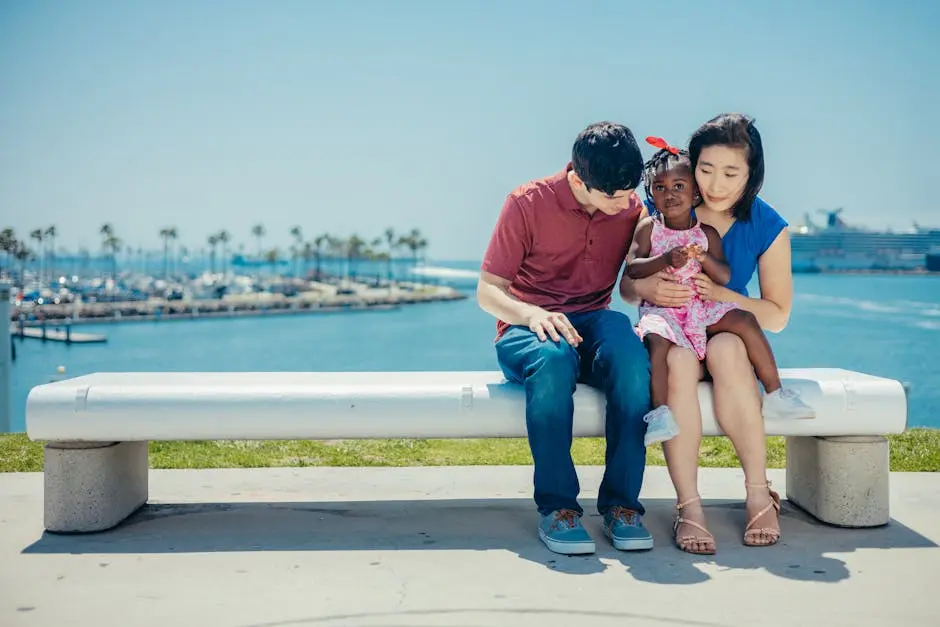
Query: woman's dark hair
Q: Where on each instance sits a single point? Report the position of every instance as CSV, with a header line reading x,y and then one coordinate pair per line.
x,y
663,159
734,130
605,156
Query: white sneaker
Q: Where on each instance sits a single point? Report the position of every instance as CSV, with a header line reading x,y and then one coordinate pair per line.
x,y
786,404
660,425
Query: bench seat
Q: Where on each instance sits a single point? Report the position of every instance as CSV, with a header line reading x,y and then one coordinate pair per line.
x,y
97,427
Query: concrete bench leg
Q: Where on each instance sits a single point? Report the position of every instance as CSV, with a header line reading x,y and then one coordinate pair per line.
x,y
841,481
93,486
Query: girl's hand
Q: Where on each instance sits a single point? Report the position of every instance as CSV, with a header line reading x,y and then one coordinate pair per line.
x,y
706,288
677,257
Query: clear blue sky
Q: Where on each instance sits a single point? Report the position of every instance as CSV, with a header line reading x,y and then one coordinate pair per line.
x,y
347,117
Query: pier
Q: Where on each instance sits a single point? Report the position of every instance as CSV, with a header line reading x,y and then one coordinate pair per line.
x,y
66,335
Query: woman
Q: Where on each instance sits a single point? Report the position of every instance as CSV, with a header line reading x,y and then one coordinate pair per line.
x,y
728,164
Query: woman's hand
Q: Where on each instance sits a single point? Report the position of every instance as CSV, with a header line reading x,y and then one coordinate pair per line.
x,y
708,289
663,290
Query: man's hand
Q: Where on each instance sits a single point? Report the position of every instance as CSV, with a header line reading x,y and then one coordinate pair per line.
x,y
663,289
547,324
677,257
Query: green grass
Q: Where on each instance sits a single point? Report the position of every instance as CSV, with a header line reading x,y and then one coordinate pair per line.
x,y
915,450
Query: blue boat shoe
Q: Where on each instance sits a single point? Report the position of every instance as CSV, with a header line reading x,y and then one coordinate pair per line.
x,y
561,531
625,529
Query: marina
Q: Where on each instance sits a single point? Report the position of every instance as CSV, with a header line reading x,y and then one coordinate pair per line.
x,y
134,295
157,309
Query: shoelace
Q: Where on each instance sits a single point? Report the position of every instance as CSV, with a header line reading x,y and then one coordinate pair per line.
x,y
567,516
628,516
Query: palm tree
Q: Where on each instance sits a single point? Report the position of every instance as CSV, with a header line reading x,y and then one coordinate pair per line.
x,y
111,245
51,233
36,234
258,231
224,239
167,234
22,254
106,232
354,246
182,254
375,244
297,249
213,242
392,247
307,255
415,243
336,249
422,247
8,245
318,245
85,255
271,257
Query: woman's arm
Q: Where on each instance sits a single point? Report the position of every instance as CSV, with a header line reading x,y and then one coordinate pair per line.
x,y
772,309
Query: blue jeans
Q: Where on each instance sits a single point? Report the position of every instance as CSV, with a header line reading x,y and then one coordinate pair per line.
x,y
611,358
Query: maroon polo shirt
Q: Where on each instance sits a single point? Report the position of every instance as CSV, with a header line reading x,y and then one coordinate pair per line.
x,y
556,255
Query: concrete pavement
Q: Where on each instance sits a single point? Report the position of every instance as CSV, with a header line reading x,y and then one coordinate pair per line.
x,y
450,546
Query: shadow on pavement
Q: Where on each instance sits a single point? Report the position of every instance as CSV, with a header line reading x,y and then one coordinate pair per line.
x,y
804,552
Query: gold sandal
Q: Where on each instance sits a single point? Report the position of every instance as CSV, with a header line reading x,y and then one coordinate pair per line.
x,y
686,542
752,536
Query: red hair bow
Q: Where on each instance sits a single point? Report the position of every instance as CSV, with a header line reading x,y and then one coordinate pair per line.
x,y
659,142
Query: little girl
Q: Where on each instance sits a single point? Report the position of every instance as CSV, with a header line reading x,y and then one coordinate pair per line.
x,y
672,239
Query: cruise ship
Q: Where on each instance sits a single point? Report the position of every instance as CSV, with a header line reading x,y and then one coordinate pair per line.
x,y
840,247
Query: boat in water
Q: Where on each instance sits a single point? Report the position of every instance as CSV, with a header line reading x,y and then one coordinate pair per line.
x,y
840,247
458,278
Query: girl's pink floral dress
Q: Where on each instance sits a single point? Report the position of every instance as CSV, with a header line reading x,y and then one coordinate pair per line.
x,y
683,326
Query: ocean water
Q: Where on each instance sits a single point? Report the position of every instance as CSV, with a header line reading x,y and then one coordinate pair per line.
x,y
882,325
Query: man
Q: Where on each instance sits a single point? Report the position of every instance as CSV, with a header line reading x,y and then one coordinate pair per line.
x,y
547,276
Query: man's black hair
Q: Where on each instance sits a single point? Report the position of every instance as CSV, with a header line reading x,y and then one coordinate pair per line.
x,y
605,156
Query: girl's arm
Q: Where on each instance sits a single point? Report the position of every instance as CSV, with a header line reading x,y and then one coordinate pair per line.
x,y
772,309
713,260
661,288
639,264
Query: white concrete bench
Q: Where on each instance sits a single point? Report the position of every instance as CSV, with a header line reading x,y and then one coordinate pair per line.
x,y
97,427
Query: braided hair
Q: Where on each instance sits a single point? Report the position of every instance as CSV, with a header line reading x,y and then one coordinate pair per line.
x,y
665,159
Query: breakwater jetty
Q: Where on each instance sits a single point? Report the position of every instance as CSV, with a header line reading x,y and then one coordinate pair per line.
x,y
324,299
